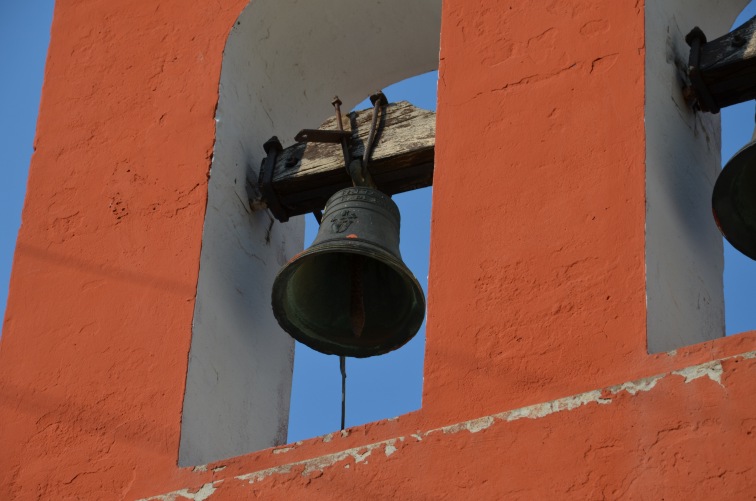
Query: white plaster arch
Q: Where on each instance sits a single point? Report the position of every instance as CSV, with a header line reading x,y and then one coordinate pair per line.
x,y
684,256
283,62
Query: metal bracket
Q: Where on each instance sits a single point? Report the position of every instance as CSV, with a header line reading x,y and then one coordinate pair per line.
x,y
356,168
722,72
322,136
380,98
703,98
272,149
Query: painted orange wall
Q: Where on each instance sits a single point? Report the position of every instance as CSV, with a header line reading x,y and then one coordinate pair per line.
x,y
537,288
541,164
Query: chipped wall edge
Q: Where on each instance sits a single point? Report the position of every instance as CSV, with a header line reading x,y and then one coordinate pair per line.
x,y
712,370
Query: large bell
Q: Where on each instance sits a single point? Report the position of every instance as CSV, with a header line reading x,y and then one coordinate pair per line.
x,y
734,200
350,293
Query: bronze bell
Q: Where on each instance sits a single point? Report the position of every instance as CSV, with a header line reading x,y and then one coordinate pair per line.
x,y
734,200
350,293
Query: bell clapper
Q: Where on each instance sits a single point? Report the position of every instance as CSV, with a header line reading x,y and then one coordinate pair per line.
x,y
342,364
357,298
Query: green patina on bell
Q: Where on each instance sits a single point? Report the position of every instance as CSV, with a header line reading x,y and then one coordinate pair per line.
x,y
350,293
734,201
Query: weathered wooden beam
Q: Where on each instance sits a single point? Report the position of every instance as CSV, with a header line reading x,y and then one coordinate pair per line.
x,y
723,72
307,174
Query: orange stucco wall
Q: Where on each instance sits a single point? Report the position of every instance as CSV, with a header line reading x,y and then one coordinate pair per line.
x,y
537,286
550,295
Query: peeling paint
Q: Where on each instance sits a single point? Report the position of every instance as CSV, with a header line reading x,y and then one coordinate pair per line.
x,y
358,454
390,447
260,475
200,468
562,404
479,424
633,387
358,458
573,402
473,426
712,370
202,494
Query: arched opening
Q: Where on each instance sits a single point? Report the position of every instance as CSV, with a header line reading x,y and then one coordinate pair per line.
x,y
283,62
684,260
739,270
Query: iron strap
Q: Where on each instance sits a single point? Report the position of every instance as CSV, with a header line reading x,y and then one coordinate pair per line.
x,y
272,149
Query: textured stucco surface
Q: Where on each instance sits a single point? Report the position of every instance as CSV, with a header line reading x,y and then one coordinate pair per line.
x,y
536,297
97,328
550,295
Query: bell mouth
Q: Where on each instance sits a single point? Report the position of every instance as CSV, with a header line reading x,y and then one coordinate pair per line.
x,y
734,201
349,299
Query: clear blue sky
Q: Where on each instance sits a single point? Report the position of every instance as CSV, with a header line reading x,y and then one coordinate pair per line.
x,y
377,388
24,36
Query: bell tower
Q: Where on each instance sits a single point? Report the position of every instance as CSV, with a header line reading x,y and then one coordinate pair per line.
x,y
565,355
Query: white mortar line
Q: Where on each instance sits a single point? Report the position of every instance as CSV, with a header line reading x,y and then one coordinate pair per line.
x,y
202,494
